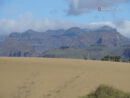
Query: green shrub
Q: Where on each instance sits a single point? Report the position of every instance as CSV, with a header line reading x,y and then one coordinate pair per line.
x,y
104,91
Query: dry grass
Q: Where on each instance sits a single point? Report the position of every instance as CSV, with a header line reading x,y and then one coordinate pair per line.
x,y
59,78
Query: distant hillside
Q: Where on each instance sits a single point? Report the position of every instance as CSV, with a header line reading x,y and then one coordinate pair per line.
x,y
91,52
33,43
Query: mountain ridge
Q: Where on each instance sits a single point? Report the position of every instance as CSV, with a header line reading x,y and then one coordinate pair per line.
x,y
75,37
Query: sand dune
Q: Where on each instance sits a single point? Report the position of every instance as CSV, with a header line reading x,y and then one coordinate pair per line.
x,y
59,78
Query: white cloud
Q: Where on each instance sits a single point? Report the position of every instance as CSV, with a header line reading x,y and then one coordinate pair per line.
x,y
83,6
123,27
28,21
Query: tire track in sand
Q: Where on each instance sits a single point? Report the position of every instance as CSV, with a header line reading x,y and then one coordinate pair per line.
x,y
71,83
24,91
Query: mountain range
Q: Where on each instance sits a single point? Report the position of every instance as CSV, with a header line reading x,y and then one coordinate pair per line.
x,y
32,43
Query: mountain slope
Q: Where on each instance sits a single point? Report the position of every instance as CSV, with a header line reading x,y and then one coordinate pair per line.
x,y
91,52
74,37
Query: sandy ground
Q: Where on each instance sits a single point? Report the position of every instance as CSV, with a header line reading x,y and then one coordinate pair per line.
x,y
59,78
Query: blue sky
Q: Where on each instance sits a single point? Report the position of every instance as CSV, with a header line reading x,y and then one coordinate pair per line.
x,y
57,9
39,8
65,11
